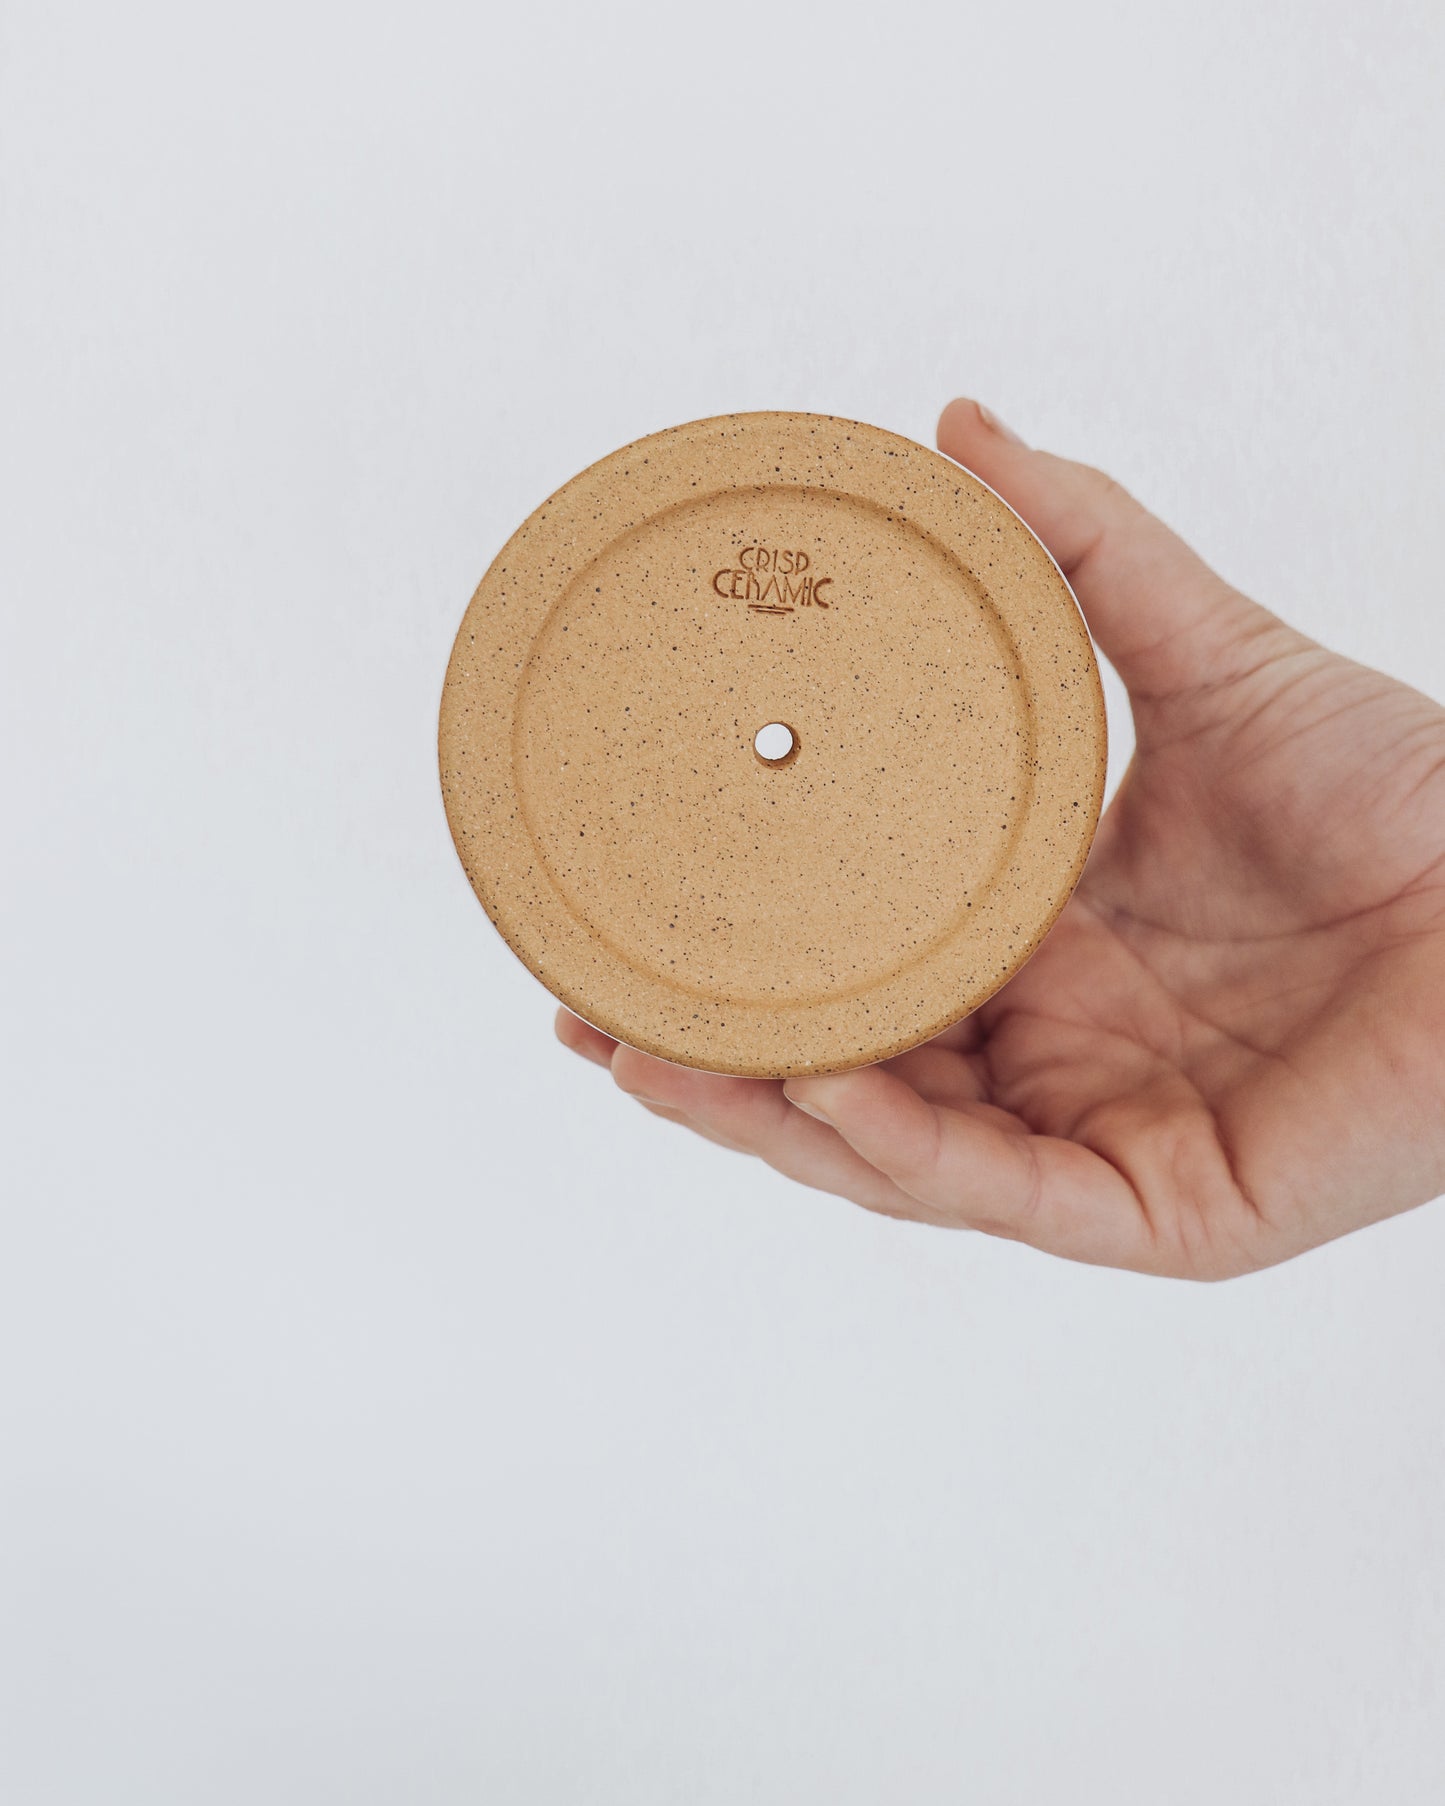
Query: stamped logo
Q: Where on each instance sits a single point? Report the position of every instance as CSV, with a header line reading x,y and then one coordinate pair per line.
x,y
773,580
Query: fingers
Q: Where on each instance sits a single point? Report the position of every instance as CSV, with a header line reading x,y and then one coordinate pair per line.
x,y
911,1139
941,1074
1166,621
753,1116
686,1122
582,1038
977,1168
593,1045
749,1116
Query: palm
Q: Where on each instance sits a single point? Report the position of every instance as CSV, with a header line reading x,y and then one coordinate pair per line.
x,y
1227,1049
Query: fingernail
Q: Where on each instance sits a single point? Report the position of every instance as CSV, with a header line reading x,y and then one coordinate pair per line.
x,y
1001,427
654,1103
808,1109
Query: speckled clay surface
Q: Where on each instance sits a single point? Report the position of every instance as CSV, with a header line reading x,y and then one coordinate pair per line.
x,y
665,882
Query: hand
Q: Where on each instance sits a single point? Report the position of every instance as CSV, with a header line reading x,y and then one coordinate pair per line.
x,y
1231,1046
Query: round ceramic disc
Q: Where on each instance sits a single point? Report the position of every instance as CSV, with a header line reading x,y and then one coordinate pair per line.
x,y
894,846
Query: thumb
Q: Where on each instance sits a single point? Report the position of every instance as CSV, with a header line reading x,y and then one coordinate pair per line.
x,y
1163,618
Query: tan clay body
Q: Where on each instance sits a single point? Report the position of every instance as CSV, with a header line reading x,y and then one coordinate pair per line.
x,y
828,908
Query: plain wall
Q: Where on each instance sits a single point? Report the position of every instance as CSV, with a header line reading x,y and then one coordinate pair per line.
x,y
389,1410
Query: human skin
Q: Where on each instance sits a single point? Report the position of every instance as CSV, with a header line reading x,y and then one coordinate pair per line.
x,y
1231,1046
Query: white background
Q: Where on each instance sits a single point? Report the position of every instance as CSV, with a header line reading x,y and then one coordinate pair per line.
x,y
389,1410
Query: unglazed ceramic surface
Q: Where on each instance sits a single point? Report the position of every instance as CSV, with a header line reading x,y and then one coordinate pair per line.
x,y
808,913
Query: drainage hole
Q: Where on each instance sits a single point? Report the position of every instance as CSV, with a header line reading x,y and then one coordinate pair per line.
x,y
775,743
